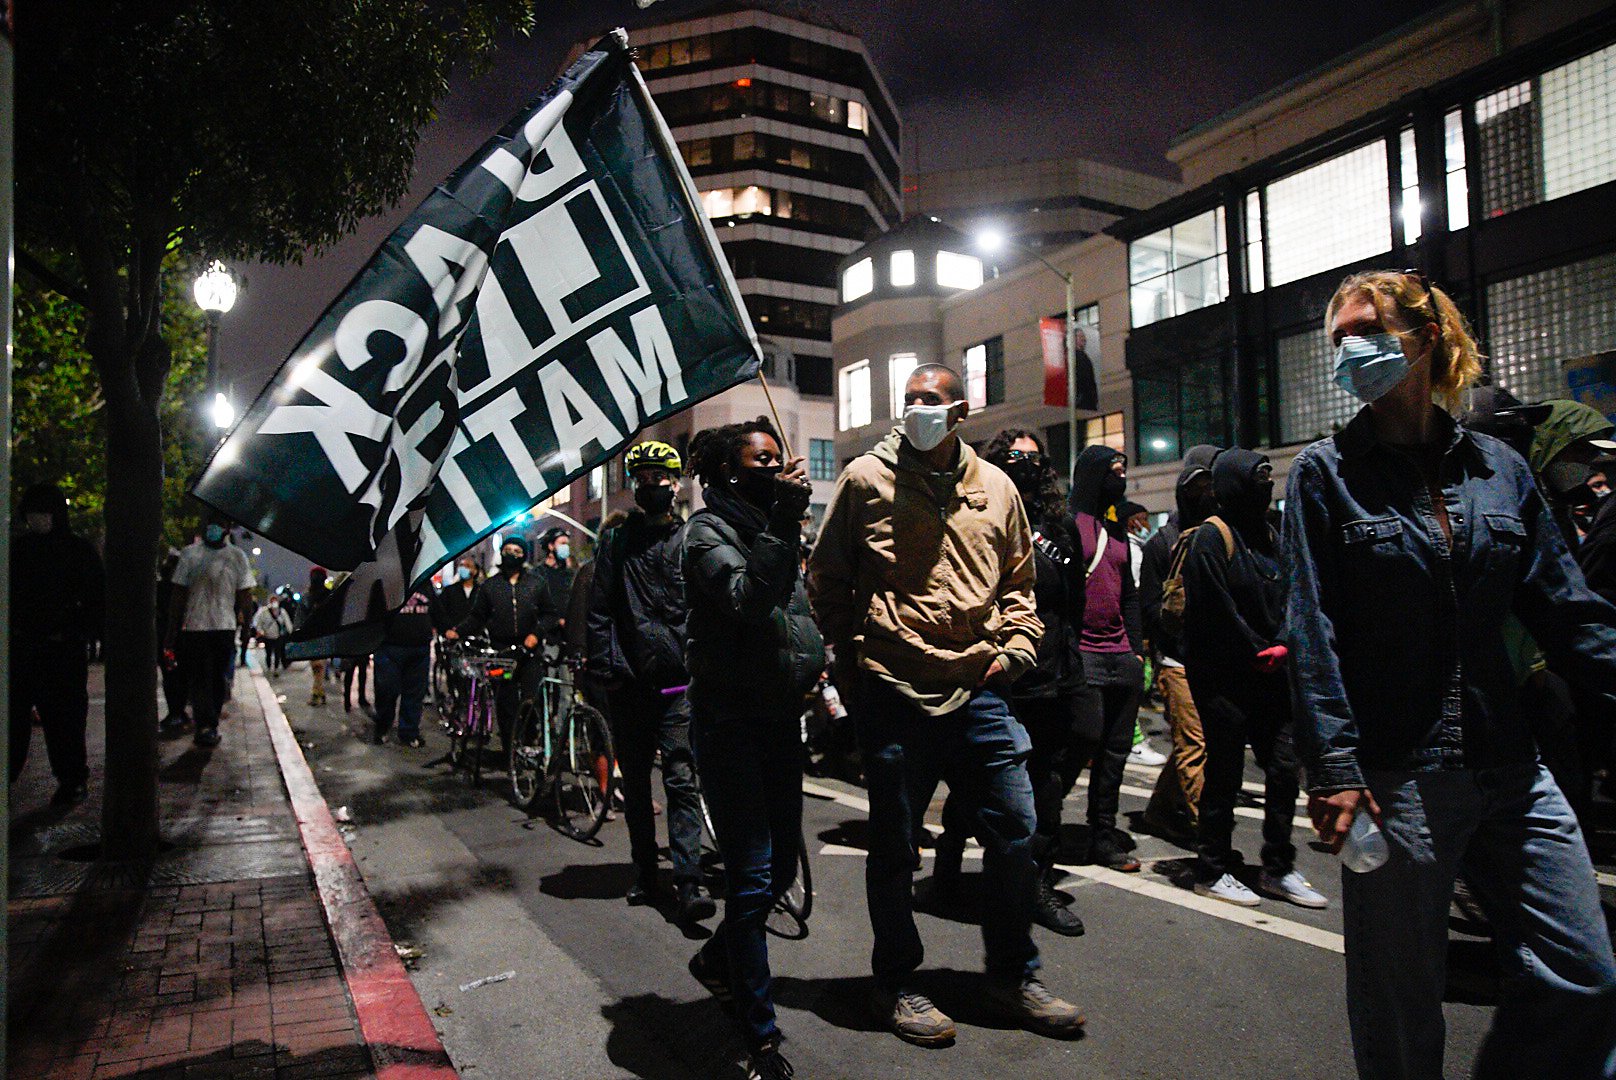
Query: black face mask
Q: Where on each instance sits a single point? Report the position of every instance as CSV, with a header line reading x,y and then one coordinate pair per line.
x,y
511,563
1568,482
755,483
1027,473
1113,487
655,501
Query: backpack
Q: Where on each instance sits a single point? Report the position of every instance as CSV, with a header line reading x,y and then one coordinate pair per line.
x,y
1172,608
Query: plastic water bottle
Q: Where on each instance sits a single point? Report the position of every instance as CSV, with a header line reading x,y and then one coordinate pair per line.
x,y
1365,848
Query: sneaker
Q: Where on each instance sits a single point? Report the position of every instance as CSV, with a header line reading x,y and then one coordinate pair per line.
x,y
716,982
913,1018
1228,889
1293,887
1143,754
1051,913
767,1063
1029,1002
694,906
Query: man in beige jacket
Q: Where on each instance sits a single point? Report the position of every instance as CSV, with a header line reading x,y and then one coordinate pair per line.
x,y
922,581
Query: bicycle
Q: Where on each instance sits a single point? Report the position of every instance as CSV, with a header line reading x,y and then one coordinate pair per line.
x,y
562,743
448,678
485,667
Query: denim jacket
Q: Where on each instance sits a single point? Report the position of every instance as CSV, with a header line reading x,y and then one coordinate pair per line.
x,y
1397,651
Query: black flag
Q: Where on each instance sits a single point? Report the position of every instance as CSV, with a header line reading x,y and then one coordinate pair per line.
x,y
561,291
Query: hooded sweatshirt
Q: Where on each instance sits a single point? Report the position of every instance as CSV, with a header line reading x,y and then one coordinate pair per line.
x,y
1234,607
1567,422
1111,601
1159,555
926,577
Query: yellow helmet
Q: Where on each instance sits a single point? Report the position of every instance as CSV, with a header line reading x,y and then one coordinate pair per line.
x,y
652,453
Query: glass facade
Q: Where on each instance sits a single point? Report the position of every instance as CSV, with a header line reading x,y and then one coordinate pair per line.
x,y
794,318
1178,269
789,208
1333,213
1536,322
1408,202
821,459
1179,408
1105,430
1311,405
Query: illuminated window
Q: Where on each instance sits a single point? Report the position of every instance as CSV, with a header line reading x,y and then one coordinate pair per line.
x,y
751,200
955,271
984,373
1311,405
1179,269
719,203
903,269
1332,213
1579,124
853,405
821,459
1105,430
1537,321
597,482
1255,281
1453,149
899,365
857,118
1410,201
858,280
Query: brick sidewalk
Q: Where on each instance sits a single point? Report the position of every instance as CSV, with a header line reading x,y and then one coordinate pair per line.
x,y
214,962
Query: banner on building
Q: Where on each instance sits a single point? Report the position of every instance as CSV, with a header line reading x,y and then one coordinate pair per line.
x,y
1052,334
561,291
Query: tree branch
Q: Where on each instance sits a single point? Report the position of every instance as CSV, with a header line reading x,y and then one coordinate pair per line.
x,y
41,272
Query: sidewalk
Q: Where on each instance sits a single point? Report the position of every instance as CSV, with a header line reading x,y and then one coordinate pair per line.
x,y
219,960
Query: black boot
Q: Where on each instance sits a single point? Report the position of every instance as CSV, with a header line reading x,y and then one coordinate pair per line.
x,y
693,905
646,890
1049,912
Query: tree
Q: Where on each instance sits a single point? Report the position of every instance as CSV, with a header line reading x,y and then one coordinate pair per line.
x,y
201,129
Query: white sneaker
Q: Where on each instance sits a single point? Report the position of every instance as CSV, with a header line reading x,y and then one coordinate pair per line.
x,y
1228,889
1142,754
1293,887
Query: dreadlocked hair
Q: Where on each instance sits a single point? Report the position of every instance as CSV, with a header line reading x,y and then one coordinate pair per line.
x,y
1049,494
1406,301
714,448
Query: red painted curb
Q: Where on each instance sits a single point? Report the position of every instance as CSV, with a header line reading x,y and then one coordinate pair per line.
x,y
397,1031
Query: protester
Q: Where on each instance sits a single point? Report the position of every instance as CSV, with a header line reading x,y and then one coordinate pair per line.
x,y
272,624
1410,540
58,593
511,607
754,652
557,571
1234,613
636,649
1112,645
403,668
212,586
1566,446
174,676
453,601
319,586
922,579
1174,808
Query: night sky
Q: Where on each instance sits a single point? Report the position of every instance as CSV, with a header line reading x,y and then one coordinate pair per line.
x,y
975,82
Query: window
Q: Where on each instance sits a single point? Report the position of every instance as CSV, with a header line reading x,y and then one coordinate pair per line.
x,y
1311,405
1255,279
1180,407
1179,269
853,406
597,482
858,280
902,269
857,118
1538,321
899,365
1332,213
1453,149
984,373
1409,203
1506,138
955,271
821,459
1105,431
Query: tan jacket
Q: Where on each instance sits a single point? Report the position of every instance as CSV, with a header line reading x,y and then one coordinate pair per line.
x,y
926,577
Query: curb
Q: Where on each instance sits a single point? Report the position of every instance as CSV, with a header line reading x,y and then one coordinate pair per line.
x,y
393,1021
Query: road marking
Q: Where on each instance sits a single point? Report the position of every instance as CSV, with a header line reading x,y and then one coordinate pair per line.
x,y
1249,786
1253,812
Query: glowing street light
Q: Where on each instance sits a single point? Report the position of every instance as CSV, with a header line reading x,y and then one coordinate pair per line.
x,y
215,289
990,241
223,413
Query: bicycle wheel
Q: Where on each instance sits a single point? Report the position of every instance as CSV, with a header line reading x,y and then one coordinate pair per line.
x,y
477,739
442,692
583,777
789,917
527,757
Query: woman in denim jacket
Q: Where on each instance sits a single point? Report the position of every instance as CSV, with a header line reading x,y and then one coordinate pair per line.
x,y
1410,540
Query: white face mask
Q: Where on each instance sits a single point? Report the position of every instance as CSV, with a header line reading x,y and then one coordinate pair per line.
x,y
926,426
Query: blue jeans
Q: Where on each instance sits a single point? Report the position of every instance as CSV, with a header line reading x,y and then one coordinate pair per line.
x,y
401,681
981,750
751,775
1511,833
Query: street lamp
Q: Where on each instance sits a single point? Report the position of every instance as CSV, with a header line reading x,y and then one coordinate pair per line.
x,y
215,290
992,241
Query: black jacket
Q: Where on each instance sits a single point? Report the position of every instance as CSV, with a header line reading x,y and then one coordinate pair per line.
x,y
509,613
1597,555
1058,594
450,606
1234,608
558,579
1158,555
58,590
637,604
754,649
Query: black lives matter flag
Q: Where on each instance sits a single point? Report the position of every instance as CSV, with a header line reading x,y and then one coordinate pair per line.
x,y
561,291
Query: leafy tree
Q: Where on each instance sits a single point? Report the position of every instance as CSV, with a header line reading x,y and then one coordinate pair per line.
x,y
201,128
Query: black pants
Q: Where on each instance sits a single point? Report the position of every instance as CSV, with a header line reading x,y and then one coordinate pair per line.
x,y
55,683
354,666
645,721
176,686
1260,716
275,654
206,656
510,693
1109,704
1061,746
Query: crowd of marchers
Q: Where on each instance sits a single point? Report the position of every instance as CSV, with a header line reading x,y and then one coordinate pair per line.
x,y
1423,633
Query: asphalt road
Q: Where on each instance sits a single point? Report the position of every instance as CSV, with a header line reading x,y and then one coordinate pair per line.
x,y
1173,985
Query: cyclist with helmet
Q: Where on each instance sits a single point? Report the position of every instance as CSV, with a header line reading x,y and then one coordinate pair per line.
x,y
512,606
637,651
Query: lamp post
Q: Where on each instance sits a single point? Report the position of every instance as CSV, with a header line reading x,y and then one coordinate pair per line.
x,y
215,290
991,241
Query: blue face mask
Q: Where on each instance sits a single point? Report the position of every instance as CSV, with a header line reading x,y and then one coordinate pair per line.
x,y
563,552
213,534
1368,367
463,573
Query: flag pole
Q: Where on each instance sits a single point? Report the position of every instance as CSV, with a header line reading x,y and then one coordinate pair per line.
x,y
779,425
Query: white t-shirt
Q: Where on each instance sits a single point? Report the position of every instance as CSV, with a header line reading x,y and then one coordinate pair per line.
x,y
212,577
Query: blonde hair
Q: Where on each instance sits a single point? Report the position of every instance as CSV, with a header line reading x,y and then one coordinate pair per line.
x,y
1405,299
